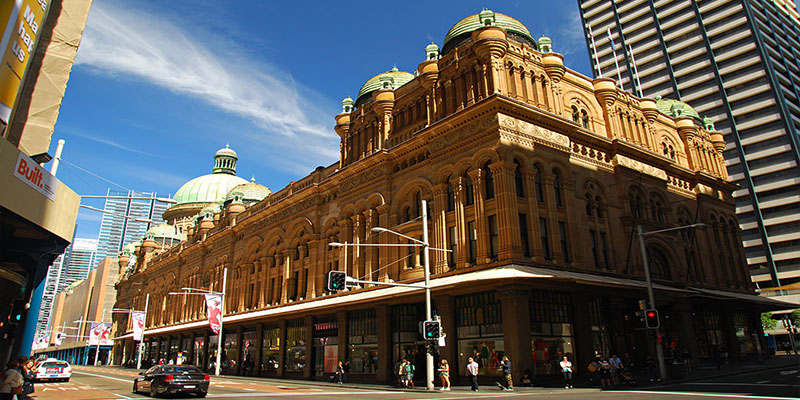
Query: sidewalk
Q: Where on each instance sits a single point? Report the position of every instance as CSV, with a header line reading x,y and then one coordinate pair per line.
x,y
700,371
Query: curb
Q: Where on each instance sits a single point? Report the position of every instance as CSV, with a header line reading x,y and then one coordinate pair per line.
x,y
700,378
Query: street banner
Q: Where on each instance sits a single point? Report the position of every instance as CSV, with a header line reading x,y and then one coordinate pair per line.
x,y
94,334
20,21
213,302
57,339
138,325
105,334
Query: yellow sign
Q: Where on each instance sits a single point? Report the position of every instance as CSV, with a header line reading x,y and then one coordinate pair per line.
x,y
23,21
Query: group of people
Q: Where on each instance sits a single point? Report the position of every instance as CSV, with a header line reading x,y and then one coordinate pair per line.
x,y
613,371
17,379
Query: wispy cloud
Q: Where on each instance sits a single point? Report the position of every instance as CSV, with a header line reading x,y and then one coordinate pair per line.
x,y
100,138
571,32
129,43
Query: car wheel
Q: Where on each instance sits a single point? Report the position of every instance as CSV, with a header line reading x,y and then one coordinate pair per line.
x,y
202,394
153,392
134,388
66,379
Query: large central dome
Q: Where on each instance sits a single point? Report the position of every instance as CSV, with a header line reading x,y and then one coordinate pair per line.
x,y
213,187
461,32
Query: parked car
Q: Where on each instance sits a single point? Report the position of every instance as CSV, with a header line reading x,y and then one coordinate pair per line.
x,y
172,379
53,370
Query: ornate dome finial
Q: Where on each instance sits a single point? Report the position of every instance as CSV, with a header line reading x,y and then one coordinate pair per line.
x,y
225,161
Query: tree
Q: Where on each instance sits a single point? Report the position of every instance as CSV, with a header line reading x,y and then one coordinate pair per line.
x,y
767,322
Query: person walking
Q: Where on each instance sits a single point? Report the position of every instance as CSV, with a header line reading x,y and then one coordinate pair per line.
x,y
566,368
444,374
505,366
472,373
339,374
346,371
11,384
25,369
409,370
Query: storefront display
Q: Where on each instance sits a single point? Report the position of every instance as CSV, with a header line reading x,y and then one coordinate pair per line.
x,y
551,330
230,354
199,352
248,359
326,344
480,331
270,350
362,340
295,346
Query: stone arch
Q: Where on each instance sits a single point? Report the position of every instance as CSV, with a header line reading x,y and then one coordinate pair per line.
x,y
426,189
485,155
661,259
375,200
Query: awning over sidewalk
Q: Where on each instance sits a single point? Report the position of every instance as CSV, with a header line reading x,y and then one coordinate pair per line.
x,y
771,304
511,272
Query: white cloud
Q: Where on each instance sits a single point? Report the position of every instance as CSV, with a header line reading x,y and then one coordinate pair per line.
x,y
129,43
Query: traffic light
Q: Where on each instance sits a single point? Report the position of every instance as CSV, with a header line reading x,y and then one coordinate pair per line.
x,y
335,281
651,318
432,330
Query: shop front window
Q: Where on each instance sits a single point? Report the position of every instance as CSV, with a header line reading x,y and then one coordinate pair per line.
x,y
270,350
295,346
362,339
153,353
326,344
406,339
248,353
745,334
199,352
479,328
185,354
213,342
230,354
174,348
552,334
708,332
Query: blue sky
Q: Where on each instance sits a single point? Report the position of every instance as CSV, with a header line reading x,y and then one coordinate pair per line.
x,y
159,86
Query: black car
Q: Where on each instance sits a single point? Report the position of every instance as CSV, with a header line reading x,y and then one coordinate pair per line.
x,y
172,379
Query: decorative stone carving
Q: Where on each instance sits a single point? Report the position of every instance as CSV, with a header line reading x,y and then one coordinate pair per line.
x,y
544,135
630,163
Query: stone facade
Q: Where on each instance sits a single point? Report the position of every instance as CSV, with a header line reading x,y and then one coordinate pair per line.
x,y
536,178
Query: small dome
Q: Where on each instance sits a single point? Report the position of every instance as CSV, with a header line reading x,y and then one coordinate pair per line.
x,y
210,210
226,151
396,77
129,249
461,32
677,109
251,192
163,231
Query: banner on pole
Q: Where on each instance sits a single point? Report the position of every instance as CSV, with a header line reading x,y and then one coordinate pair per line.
x,y
100,334
138,325
213,307
57,339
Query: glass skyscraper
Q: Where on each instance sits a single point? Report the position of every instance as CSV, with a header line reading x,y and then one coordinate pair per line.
x,y
737,62
117,231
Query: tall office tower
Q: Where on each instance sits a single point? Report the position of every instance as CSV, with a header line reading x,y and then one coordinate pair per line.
x,y
116,230
738,63
78,259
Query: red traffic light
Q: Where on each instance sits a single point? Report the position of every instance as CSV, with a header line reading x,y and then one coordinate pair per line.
x,y
651,319
651,314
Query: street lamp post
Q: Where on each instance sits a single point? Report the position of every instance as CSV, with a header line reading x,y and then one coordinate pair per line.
x,y
426,254
662,368
144,323
203,292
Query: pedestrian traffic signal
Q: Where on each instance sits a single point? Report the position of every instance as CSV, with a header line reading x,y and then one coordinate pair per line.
x,y
432,330
651,318
335,281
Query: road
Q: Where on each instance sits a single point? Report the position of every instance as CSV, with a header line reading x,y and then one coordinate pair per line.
x,y
94,383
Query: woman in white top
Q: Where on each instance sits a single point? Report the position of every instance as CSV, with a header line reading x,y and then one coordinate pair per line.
x,y
566,368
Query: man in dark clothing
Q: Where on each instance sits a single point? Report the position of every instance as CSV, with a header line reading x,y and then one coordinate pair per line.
x,y
506,367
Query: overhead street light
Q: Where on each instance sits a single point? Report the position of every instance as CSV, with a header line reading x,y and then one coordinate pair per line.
x,y
662,368
158,199
137,219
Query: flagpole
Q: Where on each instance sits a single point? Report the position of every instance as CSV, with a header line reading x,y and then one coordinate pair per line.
x,y
635,71
594,50
141,342
221,315
616,63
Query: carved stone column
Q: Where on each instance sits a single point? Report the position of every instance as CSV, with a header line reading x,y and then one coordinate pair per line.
x,y
439,258
480,218
507,211
358,252
552,216
316,270
287,274
461,223
515,303
346,236
370,221
383,254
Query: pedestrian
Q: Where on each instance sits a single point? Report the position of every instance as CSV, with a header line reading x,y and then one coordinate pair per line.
x,y
616,367
472,373
409,370
398,371
444,374
26,370
566,369
11,384
605,373
505,366
339,372
346,371
650,365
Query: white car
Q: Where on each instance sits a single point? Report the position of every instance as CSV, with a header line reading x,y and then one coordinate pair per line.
x,y
55,370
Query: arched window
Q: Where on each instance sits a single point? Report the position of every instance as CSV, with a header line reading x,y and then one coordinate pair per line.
x,y
589,205
576,117
537,182
489,180
635,202
599,205
659,263
451,195
557,188
585,119
518,180
469,190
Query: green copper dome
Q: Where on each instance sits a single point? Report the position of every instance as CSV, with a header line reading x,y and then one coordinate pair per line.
x,y
463,28
163,231
251,192
130,248
677,109
394,78
209,188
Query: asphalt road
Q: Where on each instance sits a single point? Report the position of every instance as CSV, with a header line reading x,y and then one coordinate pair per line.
x,y
92,384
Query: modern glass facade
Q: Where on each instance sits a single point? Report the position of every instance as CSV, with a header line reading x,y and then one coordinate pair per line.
x,y
735,61
117,231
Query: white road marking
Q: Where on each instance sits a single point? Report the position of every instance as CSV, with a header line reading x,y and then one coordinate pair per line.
x,y
731,384
762,382
789,372
103,376
733,396
267,394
